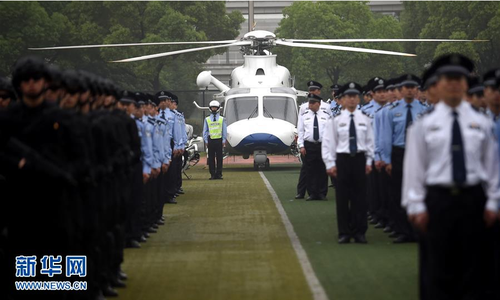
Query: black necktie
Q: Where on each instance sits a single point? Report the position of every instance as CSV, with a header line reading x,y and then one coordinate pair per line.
x,y
457,151
316,128
353,144
163,114
214,118
409,118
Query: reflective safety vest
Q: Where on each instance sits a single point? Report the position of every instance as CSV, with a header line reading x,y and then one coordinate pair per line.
x,y
215,127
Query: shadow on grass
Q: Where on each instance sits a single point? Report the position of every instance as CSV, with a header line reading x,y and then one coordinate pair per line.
x,y
273,168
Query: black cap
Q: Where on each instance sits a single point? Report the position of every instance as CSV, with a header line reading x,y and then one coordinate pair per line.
x,y
489,78
163,95
409,80
127,97
351,88
366,90
175,99
452,64
391,84
376,84
476,86
335,88
312,97
429,78
139,98
314,85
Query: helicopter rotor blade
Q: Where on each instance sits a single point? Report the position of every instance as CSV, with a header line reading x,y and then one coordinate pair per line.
x,y
132,44
341,48
377,40
145,57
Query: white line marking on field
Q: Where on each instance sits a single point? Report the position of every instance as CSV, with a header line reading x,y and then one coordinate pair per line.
x,y
313,282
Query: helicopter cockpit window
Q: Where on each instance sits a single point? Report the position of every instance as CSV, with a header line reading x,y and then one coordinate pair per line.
x,y
279,107
241,108
260,72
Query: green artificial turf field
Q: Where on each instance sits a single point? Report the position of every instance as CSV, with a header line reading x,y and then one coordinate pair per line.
x,y
377,270
226,240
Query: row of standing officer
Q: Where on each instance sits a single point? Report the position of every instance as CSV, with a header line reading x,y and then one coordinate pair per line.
x,y
77,161
442,167
451,187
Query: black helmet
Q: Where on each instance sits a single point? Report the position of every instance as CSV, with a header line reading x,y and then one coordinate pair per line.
x,y
73,83
6,85
89,80
29,67
54,77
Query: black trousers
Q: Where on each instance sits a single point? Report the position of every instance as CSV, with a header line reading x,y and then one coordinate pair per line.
x,y
399,216
172,178
455,251
215,157
302,184
317,179
384,197
351,199
372,194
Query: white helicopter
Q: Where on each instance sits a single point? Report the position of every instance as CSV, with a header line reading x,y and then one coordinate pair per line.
x,y
261,105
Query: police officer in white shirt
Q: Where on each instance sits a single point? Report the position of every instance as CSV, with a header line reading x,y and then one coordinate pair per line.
x,y
348,150
450,187
310,129
314,88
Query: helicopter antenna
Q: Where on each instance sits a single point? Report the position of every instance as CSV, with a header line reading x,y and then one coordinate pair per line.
x,y
250,16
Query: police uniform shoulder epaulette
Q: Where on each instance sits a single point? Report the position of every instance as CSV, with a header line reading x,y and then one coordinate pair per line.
x,y
393,105
367,106
427,112
365,113
378,109
325,112
151,121
305,112
423,104
338,113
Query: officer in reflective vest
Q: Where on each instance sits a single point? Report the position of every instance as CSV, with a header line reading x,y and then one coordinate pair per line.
x,y
214,134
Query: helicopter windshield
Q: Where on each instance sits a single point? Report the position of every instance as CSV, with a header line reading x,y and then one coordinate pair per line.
x,y
280,107
241,108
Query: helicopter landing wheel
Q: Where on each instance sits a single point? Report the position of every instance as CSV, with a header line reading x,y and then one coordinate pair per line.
x,y
267,164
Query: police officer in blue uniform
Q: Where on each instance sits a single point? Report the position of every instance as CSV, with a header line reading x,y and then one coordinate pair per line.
x,y
393,140
175,144
181,122
375,191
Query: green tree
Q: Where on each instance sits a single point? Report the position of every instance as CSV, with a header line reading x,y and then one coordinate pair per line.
x,y
454,20
44,24
338,20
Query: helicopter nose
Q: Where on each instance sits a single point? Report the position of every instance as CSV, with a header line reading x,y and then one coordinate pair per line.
x,y
261,141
